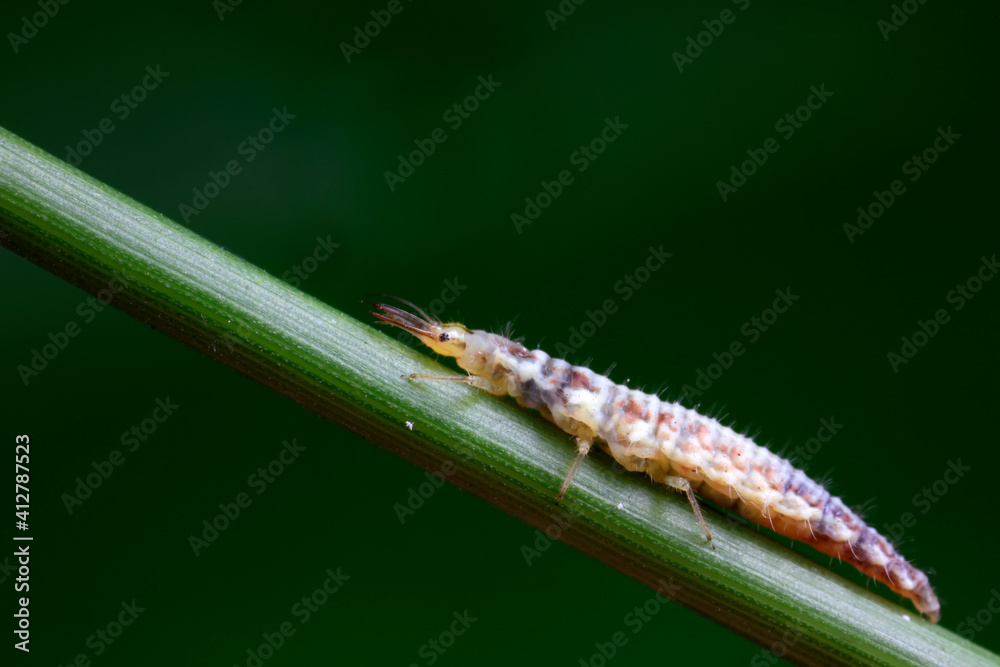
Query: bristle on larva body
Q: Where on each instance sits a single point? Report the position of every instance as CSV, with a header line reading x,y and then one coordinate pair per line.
x,y
671,444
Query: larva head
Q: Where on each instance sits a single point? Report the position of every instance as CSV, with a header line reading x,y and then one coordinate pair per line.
x,y
444,338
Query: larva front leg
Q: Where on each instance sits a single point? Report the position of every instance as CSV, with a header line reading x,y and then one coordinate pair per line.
x,y
681,484
582,449
474,380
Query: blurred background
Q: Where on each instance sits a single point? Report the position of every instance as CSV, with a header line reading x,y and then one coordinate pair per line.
x,y
740,138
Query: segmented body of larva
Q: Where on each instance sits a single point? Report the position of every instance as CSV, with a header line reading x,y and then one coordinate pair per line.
x,y
673,445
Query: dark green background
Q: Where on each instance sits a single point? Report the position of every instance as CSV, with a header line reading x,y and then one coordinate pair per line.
x,y
451,220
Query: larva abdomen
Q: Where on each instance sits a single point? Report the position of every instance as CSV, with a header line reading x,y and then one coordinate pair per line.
x,y
733,471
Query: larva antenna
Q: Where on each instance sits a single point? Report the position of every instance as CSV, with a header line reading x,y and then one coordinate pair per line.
x,y
401,319
428,318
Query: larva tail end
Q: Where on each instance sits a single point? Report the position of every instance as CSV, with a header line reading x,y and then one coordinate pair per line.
x,y
927,602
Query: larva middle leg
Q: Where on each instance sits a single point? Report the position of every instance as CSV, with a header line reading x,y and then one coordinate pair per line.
x,y
681,484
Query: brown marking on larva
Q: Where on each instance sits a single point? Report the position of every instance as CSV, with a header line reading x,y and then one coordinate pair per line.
x,y
518,350
773,475
634,410
579,380
555,377
480,357
855,522
562,391
667,419
738,459
826,507
704,434
809,491
706,442
867,535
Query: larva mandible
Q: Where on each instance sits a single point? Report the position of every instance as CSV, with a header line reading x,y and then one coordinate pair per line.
x,y
675,446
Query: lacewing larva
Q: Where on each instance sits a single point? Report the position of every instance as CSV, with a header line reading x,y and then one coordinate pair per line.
x,y
675,446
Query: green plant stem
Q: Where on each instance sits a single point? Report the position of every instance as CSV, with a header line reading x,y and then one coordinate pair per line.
x,y
227,309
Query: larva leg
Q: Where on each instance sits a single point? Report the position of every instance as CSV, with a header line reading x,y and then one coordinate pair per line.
x,y
474,380
582,449
681,484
